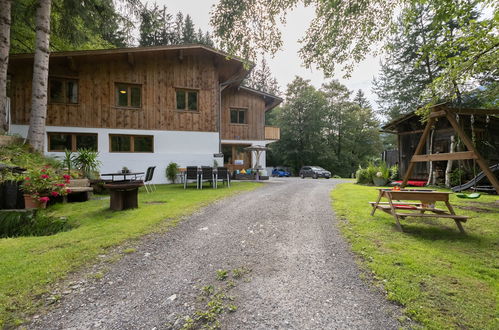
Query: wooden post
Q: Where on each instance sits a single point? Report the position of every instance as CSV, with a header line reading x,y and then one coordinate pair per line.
x,y
479,159
419,149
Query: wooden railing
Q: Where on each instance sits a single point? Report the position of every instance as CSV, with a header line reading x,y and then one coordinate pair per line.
x,y
272,133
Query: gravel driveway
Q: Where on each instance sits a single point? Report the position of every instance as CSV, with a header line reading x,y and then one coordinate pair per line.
x,y
303,275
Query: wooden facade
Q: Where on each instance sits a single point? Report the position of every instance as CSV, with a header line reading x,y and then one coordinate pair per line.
x,y
159,72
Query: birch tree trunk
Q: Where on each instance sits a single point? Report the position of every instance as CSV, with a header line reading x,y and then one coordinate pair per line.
x,y
4,60
36,133
448,169
430,175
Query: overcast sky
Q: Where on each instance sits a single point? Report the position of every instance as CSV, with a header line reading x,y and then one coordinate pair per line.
x,y
286,64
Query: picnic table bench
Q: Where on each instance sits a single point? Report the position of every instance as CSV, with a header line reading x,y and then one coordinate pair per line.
x,y
396,207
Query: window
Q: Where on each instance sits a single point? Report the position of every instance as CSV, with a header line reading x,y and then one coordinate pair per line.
x,y
71,141
238,116
187,99
63,91
129,96
131,143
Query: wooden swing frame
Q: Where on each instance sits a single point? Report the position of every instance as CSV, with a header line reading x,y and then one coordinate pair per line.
x,y
441,111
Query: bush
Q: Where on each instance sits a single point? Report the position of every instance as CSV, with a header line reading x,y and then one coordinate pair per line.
x,y
30,223
172,171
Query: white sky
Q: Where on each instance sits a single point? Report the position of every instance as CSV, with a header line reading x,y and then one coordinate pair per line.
x,y
286,64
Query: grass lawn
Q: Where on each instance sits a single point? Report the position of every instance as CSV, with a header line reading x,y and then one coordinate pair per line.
x,y
442,278
29,265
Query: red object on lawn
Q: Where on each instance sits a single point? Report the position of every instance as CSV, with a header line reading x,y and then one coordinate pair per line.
x,y
414,183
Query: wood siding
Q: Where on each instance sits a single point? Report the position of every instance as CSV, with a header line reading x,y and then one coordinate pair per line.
x,y
158,73
254,129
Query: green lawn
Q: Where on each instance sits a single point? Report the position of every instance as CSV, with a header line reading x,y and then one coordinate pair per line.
x,y
29,265
442,278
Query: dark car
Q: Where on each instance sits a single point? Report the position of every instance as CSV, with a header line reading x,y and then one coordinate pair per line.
x,y
314,172
280,172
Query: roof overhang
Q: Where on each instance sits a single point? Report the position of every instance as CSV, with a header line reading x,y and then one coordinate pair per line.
x,y
231,68
271,101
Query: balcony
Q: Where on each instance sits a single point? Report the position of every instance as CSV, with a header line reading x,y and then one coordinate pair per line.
x,y
272,133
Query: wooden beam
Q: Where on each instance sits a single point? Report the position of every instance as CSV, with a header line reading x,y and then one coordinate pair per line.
x,y
181,55
475,111
479,159
130,59
444,156
71,63
436,114
419,149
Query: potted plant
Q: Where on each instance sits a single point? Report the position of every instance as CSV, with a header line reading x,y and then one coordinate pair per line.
x,y
382,175
87,162
125,170
172,171
9,189
41,184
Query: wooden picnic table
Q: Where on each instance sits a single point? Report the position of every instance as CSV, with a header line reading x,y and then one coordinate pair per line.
x,y
427,203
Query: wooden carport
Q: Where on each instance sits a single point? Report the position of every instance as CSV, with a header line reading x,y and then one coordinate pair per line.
x,y
443,111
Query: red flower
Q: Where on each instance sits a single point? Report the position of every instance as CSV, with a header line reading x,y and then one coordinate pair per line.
x,y
27,178
54,193
60,184
44,170
44,176
68,191
47,166
66,177
44,199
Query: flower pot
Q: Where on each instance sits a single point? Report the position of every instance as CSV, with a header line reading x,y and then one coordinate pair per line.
x,y
379,181
33,203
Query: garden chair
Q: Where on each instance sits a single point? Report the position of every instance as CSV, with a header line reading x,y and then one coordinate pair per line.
x,y
191,174
223,175
147,180
207,175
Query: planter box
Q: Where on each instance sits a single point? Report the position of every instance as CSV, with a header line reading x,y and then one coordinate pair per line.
x,y
380,181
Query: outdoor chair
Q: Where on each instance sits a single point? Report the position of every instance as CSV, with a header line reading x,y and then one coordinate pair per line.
x,y
223,175
191,174
147,180
207,175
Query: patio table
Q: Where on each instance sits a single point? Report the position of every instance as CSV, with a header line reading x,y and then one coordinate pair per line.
x,y
124,175
124,195
427,200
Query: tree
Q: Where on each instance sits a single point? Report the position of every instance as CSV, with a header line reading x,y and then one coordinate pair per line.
x,y
343,32
36,133
361,100
301,125
261,78
76,24
5,22
188,32
155,27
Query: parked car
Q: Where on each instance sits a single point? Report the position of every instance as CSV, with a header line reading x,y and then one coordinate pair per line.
x,y
280,172
314,172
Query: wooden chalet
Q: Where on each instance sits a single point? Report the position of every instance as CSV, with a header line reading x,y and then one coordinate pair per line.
x,y
473,122
147,106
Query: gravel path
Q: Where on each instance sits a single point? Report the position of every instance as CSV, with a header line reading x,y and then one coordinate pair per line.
x,y
303,275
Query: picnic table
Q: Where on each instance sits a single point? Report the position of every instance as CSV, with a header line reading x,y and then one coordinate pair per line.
x,y
396,207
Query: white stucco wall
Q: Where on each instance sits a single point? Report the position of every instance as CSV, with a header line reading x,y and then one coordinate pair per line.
x,y
182,147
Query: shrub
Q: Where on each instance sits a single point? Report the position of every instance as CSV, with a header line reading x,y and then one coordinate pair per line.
x,y
172,171
30,223
87,162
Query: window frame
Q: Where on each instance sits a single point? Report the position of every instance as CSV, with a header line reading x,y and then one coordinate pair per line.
x,y
132,143
239,110
64,81
186,99
129,95
73,135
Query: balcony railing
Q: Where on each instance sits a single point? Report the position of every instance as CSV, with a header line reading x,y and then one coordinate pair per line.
x,y
272,133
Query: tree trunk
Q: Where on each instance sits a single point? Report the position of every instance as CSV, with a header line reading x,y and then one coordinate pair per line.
x,y
448,169
4,60
36,133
